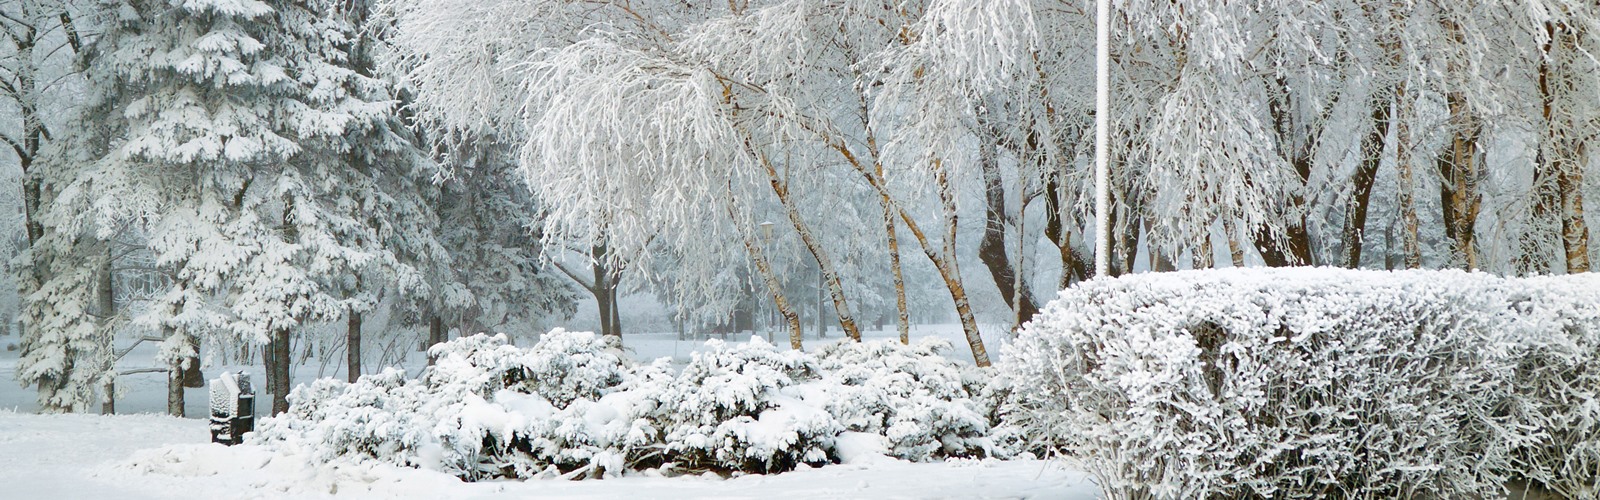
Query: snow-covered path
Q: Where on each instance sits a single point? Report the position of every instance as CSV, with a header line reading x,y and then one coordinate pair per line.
x,y
158,457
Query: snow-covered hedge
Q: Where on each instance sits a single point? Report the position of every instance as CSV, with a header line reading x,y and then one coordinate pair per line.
x,y
571,406
1316,383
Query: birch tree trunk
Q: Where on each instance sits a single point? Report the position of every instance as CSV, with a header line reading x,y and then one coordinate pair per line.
x,y
1201,257
1571,155
1458,187
1407,186
946,263
774,285
1235,249
901,308
1574,232
830,276
1547,196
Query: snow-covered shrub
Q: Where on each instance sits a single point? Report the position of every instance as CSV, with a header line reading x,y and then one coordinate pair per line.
x,y
562,367
737,408
1310,383
377,417
911,394
485,409
569,406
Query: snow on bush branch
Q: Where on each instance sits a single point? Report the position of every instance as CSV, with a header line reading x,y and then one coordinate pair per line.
x,y
1315,383
572,406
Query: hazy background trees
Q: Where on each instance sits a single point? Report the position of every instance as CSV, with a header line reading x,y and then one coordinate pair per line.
x,y
470,165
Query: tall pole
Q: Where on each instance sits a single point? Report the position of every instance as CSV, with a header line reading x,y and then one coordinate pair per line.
x,y
1102,111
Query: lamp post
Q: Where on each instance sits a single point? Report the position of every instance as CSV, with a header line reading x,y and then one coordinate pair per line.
x,y
1102,112
766,239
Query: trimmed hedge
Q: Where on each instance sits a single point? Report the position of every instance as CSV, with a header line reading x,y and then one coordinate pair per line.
x,y
1317,383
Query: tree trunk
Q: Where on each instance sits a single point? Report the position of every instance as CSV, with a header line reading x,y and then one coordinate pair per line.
x,y
602,292
946,263
1055,230
1564,156
175,392
352,346
1201,258
616,311
1410,241
1574,232
193,377
901,307
775,287
1294,248
174,380
822,326
830,276
1546,168
1458,186
277,368
992,248
435,335
1235,249
1126,241
1160,262
105,306
1372,148
108,405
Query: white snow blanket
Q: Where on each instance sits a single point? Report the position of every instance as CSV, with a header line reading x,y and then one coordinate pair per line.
x,y
137,457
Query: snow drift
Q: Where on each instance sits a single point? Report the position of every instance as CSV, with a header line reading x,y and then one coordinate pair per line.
x,y
1316,383
572,406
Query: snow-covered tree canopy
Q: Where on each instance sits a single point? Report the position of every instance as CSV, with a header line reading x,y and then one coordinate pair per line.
x,y
1293,132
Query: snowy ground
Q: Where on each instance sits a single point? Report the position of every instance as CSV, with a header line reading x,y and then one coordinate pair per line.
x,y
155,456
135,456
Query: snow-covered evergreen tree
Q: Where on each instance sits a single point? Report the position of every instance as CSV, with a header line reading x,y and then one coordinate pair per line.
x,y
275,185
496,278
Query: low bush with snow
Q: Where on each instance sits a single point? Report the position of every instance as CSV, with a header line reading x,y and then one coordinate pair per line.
x,y
926,409
571,406
1315,383
738,408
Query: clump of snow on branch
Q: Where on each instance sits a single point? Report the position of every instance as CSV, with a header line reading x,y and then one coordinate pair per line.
x,y
1310,382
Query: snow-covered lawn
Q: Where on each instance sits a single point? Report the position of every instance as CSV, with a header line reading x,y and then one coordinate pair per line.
x,y
152,456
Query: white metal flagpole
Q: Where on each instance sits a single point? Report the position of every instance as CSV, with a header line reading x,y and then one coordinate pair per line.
x,y
1102,111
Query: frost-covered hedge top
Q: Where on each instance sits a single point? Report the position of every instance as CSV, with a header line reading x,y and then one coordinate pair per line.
x,y
1310,383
